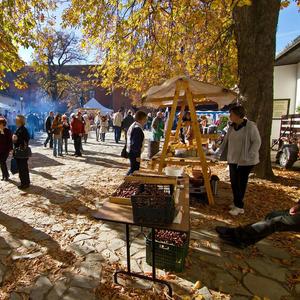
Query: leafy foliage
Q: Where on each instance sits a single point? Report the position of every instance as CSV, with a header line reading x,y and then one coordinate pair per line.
x,y
143,42
18,21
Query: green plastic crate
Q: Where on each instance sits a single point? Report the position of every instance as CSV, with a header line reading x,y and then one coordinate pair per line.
x,y
167,257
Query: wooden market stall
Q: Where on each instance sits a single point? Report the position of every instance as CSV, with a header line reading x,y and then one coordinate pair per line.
x,y
181,91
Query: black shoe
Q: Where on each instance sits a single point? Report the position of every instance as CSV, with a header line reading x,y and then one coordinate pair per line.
x,y
225,231
23,186
227,235
232,241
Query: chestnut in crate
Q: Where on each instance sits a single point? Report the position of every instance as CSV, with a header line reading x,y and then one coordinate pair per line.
x,y
126,190
171,249
153,204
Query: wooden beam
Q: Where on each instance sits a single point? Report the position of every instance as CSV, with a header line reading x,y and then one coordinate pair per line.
x,y
169,128
201,153
179,123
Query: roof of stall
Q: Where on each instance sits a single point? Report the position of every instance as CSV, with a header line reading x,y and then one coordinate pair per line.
x,y
202,92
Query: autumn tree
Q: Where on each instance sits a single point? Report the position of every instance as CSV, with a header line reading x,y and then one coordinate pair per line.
x,y
142,43
255,32
55,50
18,24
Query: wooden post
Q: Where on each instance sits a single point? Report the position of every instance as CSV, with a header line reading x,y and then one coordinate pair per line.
x,y
169,128
201,153
179,121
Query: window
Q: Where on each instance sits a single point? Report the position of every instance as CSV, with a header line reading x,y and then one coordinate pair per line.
x,y
92,94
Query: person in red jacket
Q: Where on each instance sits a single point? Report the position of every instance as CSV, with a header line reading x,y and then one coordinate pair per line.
x,y
6,146
77,129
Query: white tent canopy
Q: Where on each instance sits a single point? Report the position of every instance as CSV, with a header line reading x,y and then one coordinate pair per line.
x,y
5,106
202,92
94,104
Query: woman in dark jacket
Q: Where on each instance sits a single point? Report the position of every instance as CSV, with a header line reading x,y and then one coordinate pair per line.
x,y
21,139
5,147
65,132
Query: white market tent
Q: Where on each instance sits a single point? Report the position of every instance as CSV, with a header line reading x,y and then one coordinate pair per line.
x,y
5,106
94,104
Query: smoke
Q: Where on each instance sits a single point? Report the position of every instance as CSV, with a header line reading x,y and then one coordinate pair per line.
x,y
40,102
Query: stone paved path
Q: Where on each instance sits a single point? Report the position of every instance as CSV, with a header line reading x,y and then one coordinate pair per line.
x,y
50,247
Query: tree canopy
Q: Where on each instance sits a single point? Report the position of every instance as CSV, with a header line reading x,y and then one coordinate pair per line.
x,y
18,23
143,42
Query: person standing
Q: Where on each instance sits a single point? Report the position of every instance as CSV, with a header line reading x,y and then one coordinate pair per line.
x,y
127,122
158,127
149,121
57,128
31,124
117,123
240,148
97,124
103,127
87,127
135,141
48,126
21,141
77,129
5,147
65,132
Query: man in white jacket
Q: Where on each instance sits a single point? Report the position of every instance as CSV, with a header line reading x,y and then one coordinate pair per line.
x,y
240,149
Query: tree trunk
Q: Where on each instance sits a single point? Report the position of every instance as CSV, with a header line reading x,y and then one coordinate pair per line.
x,y
255,33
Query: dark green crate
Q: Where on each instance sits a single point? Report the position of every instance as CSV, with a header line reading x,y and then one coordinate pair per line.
x,y
167,257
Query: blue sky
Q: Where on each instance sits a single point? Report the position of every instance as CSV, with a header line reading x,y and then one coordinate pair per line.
x,y
288,29
288,26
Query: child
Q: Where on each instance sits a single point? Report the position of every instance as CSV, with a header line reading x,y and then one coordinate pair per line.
x,y
135,141
103,127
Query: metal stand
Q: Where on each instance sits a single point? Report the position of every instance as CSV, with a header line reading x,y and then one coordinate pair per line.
x,y
129,273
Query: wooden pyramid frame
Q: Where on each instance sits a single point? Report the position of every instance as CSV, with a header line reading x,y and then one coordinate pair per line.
x,y
186,101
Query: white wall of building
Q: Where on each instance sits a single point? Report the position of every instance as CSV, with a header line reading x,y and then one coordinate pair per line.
x,y
298,87
286,86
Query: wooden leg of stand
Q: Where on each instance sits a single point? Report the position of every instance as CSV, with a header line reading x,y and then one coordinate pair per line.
x,y
179,124
168,132
201,153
